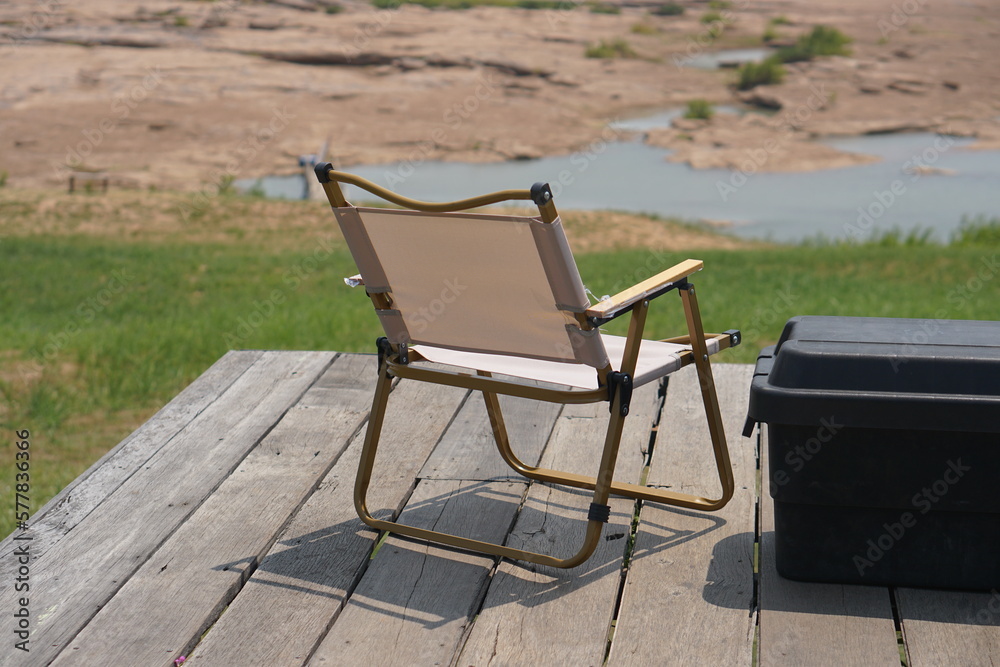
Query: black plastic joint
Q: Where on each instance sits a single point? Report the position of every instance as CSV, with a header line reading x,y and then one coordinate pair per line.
x,y
620,383
541,194
599,513
735,337
321,171
384,350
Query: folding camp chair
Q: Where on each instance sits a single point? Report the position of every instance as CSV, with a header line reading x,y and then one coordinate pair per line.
x,y
478,295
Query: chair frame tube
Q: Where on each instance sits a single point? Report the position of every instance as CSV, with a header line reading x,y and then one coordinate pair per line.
x,y
602,485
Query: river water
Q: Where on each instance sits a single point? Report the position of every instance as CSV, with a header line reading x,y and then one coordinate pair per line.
x,y
850,202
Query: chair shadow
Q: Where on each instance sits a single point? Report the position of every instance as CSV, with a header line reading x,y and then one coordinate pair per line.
x,y
334,559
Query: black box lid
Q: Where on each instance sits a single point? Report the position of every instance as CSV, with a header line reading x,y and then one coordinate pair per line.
x,y
881,373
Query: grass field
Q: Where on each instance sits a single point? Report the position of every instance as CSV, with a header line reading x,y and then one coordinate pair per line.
x,y
113,304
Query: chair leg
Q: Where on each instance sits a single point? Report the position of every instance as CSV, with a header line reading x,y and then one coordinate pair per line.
x,y
366,464
713,414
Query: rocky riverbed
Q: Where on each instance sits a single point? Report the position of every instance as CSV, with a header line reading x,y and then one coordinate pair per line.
x,y
190,94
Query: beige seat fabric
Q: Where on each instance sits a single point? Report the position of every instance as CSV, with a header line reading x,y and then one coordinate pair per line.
x,y
656,359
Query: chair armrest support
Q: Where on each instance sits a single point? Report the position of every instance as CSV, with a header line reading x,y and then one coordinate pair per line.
x,y
609,309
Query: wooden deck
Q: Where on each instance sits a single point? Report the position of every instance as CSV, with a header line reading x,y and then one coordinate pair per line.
x,y
223,530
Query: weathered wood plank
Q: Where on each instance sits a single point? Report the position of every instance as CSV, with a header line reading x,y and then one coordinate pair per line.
x,y
535,615
413,603
468,450
302,583
64,511
164,608
688,598
818,624
950,627
86,568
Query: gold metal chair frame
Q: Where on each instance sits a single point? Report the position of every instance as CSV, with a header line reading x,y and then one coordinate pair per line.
x,y
614,386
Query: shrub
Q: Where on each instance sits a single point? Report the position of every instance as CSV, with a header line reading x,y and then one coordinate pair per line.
x,y
669,9
644,29
711,17
822,41
770,34
335,8
701,109
616,48
766,72
780,20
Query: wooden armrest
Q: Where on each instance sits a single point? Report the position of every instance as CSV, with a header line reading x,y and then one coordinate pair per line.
x,y
610,308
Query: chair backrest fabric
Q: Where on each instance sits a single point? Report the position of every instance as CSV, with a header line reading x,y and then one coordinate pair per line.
x,y
497,284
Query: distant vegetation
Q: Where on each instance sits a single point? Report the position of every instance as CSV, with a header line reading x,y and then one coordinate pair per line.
x,y
822,41
614,48
767,72
700,109
604,8
468,4
669,9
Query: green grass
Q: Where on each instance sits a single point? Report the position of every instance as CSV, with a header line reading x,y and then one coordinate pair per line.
x,y
700,109
767,72
100,332
614,48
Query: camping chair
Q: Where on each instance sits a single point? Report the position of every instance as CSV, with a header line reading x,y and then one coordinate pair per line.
x,y
481,294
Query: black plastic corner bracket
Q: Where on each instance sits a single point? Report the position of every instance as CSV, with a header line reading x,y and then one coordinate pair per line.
x,y
541,194
384,350
620,383
321,170
599,513
735,337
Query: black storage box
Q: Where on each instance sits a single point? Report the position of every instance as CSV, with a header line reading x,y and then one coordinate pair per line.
x,y
884,450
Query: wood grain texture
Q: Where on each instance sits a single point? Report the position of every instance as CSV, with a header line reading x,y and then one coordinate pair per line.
x,y
950,627
468,450
818,624
535,615
303,582
88,566
67,508
688,599
629,296
201,567
414,602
